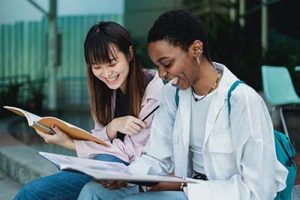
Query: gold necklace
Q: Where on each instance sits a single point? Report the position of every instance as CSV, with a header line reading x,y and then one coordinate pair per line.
x,y
211,89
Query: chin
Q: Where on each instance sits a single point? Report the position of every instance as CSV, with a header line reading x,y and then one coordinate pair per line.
x,y
183,87
113,87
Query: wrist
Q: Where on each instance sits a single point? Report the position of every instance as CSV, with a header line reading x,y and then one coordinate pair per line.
x,y
70,144
110,132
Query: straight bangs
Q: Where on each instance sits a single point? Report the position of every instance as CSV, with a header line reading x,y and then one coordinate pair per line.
x,y
99,50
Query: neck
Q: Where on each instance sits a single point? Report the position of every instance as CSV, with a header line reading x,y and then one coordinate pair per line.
x,y
123,87
207,77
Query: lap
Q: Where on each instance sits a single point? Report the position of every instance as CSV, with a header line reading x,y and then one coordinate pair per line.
x,y
96,191
62,185
166,195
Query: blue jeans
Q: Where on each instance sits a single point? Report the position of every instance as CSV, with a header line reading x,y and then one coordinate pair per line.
x,y
65,185
95,191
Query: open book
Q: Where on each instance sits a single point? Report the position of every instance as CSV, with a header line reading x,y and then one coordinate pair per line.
x,y
44,124
102,170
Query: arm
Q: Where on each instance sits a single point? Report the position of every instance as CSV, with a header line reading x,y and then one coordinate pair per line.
x,y
158,152
59,138
259,175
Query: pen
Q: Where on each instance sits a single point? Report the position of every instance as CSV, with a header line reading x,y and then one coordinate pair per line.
x,y
150,113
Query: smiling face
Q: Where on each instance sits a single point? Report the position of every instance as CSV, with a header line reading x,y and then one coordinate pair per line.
x,y
114,73
175,64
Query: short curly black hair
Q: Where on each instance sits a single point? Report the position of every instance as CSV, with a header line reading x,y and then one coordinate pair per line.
x,y
180,28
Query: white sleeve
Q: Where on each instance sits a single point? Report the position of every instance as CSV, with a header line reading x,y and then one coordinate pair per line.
x,y
158,152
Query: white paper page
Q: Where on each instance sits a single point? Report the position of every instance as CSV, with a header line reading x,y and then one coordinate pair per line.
x,y
29,116
102,170
126,177
65,161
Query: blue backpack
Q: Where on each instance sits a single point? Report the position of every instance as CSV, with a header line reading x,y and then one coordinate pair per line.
x,y
285,151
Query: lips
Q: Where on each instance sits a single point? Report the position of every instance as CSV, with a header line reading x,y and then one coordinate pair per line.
x,y
112,79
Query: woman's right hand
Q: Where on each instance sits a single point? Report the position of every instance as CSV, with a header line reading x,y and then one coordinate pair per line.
x,y
128,125
59,138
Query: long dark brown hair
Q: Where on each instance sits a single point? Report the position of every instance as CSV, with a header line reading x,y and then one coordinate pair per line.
x,y
98,50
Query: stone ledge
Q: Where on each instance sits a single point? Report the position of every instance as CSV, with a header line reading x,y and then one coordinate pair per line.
x,y
21,162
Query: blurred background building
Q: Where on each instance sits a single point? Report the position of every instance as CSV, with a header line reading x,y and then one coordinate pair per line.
x,y
243,35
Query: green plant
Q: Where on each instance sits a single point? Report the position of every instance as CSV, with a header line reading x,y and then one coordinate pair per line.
x,y
10,94
35,95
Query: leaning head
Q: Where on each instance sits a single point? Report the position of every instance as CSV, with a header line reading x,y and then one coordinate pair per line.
x,y
177,40
108,51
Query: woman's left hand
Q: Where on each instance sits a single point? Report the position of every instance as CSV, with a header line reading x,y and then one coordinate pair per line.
x,y
59,138
165,186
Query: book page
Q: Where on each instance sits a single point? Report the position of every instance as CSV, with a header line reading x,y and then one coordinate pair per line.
x,y
62,160
102,170
29,116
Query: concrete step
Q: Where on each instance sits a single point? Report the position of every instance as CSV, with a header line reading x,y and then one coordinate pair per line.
x,y
21,162
8,187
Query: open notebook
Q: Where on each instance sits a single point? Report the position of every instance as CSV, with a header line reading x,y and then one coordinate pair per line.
x,y
102,170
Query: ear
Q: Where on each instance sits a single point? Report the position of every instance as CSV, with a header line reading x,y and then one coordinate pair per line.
x,y
196,48
130,54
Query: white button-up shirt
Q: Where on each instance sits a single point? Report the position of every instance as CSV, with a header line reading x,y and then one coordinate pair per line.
x,y
239,155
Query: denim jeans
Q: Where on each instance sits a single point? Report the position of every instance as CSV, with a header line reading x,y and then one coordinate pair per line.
x,y
95,191
65,185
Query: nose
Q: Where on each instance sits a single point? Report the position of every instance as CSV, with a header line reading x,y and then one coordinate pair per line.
x,y
105,72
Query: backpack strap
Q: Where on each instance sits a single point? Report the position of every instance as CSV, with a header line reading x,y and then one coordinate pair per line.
x,y
177,97
233,86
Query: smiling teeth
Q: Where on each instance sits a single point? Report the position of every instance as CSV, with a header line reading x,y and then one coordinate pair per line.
x,y
112,79
174,80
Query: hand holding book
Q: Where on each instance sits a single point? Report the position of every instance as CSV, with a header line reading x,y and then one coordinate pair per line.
x,y
58,137
43,124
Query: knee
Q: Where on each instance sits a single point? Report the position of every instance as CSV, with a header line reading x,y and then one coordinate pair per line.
x,y
26,192
88,191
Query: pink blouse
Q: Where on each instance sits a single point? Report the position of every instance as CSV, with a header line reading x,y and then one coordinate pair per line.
x,y
132,146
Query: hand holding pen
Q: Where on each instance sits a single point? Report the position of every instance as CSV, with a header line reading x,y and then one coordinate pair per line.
x,y
128,125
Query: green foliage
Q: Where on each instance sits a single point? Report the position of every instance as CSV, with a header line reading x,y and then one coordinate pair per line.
x,y
239,51
21,91
35,90
142,53
10,95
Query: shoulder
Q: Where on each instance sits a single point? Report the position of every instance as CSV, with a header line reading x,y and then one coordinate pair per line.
x,y
155,86
245,95
168,96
